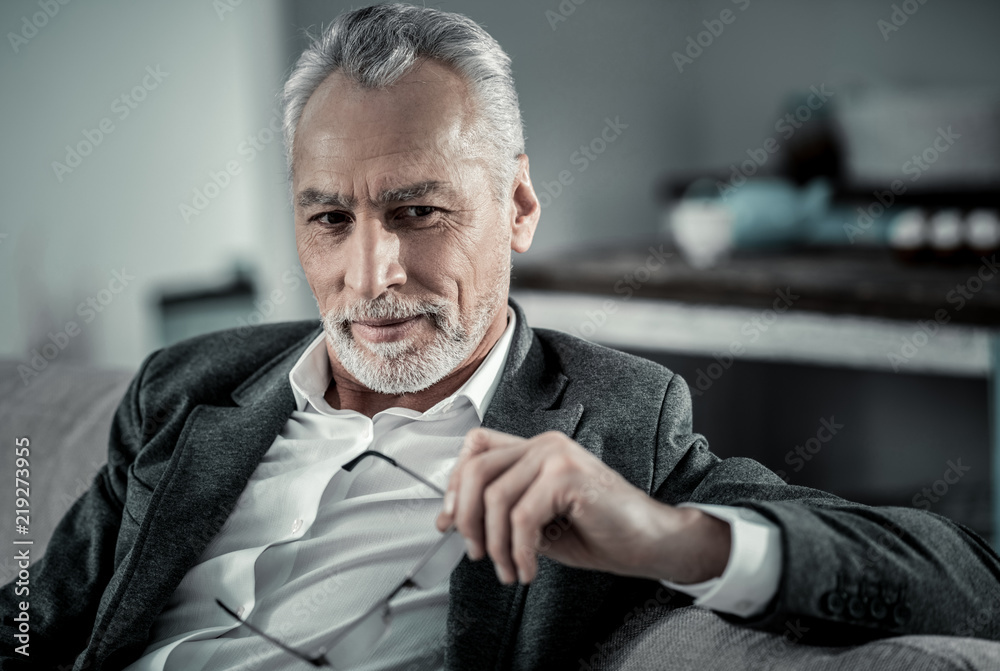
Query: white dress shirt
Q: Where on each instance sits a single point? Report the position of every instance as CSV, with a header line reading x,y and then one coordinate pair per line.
x,y
309,547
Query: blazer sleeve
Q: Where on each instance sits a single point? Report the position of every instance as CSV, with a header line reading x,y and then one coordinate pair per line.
x,y
66,584
851,572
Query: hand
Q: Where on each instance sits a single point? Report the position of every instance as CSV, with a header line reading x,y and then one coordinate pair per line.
x,y
513,498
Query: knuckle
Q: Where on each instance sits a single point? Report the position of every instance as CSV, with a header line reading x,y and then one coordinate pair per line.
x,y
494,495
475,477
466,525
520,517
476,437
476,470
560,465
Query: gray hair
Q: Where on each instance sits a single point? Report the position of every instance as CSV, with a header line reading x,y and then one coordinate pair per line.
x,y
375,46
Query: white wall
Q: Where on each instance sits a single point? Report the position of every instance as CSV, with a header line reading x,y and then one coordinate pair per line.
x,y
119,209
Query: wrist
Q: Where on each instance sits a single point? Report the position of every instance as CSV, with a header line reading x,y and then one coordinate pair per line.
x,y
688,546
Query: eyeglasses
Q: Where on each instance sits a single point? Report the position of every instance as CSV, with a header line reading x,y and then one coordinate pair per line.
x,y
360,638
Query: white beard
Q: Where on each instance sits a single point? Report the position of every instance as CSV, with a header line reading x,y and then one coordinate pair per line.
x,y
401,367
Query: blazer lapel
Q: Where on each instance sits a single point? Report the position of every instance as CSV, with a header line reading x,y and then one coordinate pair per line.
x,y
216,453
483,614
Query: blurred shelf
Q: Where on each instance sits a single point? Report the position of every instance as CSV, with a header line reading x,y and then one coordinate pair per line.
x,y
796,337
863,282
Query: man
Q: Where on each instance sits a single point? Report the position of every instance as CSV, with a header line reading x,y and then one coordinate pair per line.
x,y
569,470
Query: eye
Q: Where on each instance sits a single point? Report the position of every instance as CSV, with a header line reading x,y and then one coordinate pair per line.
x,y
419,211
330,218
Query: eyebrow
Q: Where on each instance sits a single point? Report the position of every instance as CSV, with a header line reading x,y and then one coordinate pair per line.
x,y
311,196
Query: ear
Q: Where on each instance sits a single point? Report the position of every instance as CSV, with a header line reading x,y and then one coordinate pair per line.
x,y
525,209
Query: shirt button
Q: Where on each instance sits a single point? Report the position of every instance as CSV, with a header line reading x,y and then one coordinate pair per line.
x,y
240,611
296,525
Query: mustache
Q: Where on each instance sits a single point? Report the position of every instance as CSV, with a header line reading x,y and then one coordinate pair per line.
x,y
386,306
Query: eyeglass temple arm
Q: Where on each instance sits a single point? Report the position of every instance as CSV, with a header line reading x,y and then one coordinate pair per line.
x,y
318,661
349,466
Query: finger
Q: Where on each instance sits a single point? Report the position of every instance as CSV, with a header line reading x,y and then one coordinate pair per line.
x,y
540,503
477,441
499,499
469,505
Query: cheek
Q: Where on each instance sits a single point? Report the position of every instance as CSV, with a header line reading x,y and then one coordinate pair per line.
x,y
318,263
431,261
479,261
445,265
310,255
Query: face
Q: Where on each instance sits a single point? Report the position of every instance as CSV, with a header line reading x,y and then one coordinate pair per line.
x,y
400,236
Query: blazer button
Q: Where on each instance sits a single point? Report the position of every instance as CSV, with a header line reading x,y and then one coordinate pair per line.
x,y
878,609
856,607
834,603
901,614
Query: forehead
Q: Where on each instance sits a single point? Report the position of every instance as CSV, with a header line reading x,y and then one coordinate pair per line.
x,y
411,131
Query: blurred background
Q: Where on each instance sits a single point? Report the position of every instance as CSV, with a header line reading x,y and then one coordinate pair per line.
x,y
792,204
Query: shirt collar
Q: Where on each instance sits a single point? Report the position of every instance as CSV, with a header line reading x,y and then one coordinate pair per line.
x,y
311,375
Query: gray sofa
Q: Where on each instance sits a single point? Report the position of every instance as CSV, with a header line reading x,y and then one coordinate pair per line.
x,y
66,412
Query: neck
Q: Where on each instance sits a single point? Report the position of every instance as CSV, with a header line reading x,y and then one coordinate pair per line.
x,y
346,393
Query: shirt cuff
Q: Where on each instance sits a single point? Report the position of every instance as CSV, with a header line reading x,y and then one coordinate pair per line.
x,y
753,570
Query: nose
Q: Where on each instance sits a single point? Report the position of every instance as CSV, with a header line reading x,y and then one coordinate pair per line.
x,y
373,264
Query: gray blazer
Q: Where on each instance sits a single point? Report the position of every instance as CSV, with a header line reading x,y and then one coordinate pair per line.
x,y
199,416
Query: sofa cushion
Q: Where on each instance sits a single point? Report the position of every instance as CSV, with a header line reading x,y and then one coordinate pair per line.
x,y
66,412
694,639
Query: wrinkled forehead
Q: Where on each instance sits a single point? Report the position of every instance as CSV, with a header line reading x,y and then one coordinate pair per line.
x,y
421,122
